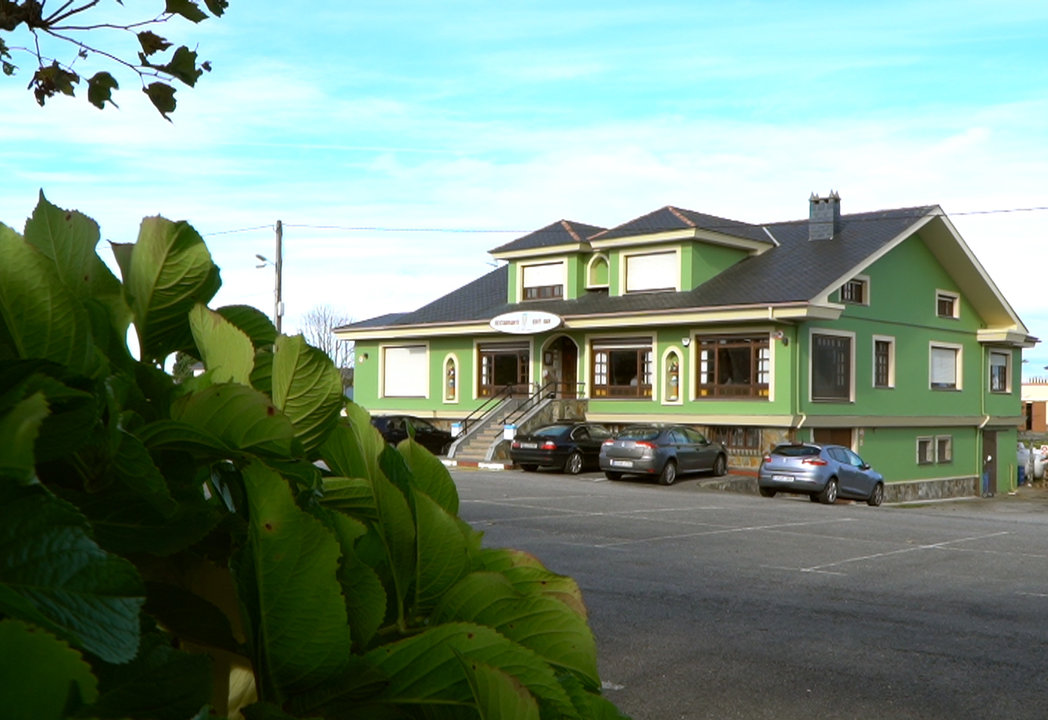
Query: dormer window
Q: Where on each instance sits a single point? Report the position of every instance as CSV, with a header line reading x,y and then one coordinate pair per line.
x,y
543,282
856,291
651,272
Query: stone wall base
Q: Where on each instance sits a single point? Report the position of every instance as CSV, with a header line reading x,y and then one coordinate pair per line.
x,y
936,489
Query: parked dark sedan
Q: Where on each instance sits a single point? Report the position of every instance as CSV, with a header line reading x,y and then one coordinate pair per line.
x,y
394,428
569,446
822,472
662,450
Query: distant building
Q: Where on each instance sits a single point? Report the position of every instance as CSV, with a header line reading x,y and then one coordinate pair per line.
x,y
1035,401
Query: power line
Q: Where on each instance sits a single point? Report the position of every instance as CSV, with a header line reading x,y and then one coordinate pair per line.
x,y
870,216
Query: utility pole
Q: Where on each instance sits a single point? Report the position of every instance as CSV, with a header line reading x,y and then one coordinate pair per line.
x,y
278,307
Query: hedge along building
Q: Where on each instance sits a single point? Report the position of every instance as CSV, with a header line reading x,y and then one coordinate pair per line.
x,y
877,330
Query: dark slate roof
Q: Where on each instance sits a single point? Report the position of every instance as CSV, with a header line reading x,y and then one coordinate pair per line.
x,y
671,218
562,232
795,271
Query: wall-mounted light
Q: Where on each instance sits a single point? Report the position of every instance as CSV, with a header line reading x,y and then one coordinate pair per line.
x,y
363,357
780,336
685,341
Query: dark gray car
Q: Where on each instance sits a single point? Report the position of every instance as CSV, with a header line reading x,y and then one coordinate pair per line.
x,y
822,472
662,450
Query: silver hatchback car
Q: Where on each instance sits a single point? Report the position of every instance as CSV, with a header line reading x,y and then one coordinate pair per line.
x,y
822,472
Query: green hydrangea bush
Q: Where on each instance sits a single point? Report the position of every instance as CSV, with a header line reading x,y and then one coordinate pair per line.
x,y
242,543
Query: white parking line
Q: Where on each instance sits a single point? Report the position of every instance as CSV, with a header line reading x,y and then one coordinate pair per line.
x,y
931,546
722,531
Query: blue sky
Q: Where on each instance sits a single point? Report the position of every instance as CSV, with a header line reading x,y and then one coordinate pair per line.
x,y
489,120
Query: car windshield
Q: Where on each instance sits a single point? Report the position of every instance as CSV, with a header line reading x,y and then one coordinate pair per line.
x,y
551,430
644,432
796,450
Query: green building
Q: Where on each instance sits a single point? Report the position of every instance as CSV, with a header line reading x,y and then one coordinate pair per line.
x,y
879,330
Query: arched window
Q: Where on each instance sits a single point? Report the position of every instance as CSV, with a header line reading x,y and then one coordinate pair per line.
x,y
597,272
672,376
450,379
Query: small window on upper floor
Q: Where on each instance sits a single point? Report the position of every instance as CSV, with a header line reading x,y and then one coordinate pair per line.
x,y
947,304
856,291
1000,378
542,282
652,272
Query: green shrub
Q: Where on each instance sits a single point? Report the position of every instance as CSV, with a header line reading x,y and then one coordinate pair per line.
x,y
242,541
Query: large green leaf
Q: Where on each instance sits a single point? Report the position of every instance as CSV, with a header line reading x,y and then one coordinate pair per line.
x,y
162,683
252,322
87,596
442,554
530,577
239,416
308,388
352,450
41,677
430,474
352,496
19,428
426,670
68,239
294,612
365,595
166,273
226,351
543,624
43,319
396,531
499,695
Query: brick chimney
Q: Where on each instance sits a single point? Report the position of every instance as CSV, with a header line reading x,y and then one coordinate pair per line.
x,y
824,216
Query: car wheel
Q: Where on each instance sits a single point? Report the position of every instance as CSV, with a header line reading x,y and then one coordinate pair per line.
x,y
767,492
573,465
828,496
877,496
720,466
612,475
528,467
669,473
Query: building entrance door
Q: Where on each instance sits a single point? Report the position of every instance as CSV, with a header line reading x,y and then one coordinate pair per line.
x,y
989,469
560,367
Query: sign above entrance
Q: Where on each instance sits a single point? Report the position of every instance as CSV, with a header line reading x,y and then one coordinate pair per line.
x,y
524,322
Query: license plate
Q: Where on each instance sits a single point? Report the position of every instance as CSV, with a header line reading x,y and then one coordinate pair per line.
x,y
529,446
782,478
622,463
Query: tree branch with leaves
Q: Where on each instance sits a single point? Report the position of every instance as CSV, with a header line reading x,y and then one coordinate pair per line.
x,y
79,26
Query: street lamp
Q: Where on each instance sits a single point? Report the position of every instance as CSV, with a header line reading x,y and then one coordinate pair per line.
x,y
278,303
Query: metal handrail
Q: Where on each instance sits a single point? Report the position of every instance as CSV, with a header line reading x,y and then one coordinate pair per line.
x,y
483,409
549,389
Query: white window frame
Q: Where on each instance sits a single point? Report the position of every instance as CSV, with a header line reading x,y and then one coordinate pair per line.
x,y
958,355
925,443
555,275
891,361
811,364
1007,371
624,275
863,280
409,384
952,296
453,358
941,441
589,269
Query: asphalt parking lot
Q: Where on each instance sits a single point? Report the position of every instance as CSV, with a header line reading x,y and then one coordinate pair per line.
x,y
711,604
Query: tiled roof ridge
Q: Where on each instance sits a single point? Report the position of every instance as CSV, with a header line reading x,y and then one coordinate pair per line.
x,y
570,230
681,216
